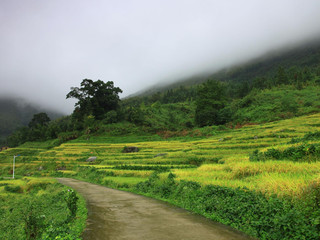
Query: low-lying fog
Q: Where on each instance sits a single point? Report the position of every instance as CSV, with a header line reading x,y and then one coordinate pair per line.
x,y
49,46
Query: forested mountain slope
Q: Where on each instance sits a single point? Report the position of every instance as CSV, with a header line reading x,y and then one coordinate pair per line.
x,y
302,56
15,113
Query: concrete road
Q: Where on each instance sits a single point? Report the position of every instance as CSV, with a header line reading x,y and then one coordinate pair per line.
x,y
115,215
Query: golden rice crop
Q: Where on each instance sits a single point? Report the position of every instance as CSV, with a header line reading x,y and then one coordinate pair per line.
x,y
232,147
283,184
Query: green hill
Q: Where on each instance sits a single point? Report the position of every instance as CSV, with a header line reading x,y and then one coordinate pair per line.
x,y
15,113
303,56
243,150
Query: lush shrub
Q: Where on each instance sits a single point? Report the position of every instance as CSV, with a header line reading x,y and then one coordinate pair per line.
x,y
248,211
139,168
197,161
303,152
274,104
71,199
36,185
111,117
13,189
45,213
311,136
67,136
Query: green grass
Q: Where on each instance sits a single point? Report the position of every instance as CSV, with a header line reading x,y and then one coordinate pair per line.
x,y
38,210
131,181
276,104
220,158
228,151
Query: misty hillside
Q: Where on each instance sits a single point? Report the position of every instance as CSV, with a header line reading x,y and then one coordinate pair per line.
x,y
15,113
306,55
278,86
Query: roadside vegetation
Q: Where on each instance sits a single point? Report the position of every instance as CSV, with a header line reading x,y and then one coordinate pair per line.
x,y
40,208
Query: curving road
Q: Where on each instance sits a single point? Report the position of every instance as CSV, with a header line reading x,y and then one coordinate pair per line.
x,y
115,215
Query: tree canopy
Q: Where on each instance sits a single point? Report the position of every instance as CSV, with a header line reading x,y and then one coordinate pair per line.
x,y
211,98
95,98
39,120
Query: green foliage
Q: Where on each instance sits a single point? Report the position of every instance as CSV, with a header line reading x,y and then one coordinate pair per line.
x,y
16,113
172,94
303,152
138,167
311,202
90,174
311,136
95,98
40,132
155,187
135,115
88,121
211,99
256,156
67,136
42,213
248,211
281,77
39,119
13,189
197,161
18,137
71,199
162,117
274,104
111,117
258,106
123,129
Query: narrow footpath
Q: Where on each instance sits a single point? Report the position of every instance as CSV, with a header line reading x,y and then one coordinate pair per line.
x,y
115,215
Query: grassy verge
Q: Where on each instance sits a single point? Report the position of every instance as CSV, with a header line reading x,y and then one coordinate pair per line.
x,y
248,211
40,208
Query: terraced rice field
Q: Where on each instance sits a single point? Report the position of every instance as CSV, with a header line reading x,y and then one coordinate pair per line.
x,y
222,159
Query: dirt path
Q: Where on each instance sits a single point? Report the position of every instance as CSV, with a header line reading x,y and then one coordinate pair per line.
x,y
115,214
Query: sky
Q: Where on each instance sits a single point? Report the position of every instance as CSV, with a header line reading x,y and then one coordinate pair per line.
x,y
48,46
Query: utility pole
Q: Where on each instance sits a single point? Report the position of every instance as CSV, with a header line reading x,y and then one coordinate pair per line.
x,y
14,161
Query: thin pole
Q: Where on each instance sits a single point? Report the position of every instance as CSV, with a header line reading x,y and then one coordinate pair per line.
x,y
14,161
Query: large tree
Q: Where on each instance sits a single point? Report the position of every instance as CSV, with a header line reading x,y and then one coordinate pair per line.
x,y
39,120
211,99
95,98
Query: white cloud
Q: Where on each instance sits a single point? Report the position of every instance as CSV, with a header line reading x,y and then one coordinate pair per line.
x,y
48,46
